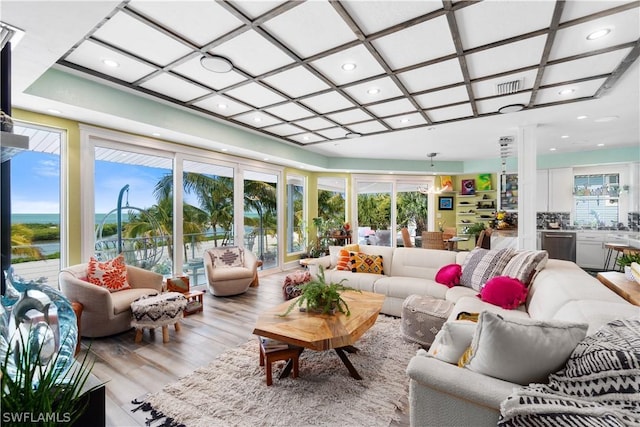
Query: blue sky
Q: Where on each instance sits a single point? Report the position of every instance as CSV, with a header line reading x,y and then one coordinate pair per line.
x,y
35,184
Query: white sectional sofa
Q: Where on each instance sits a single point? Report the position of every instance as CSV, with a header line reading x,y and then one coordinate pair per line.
x,y
443,394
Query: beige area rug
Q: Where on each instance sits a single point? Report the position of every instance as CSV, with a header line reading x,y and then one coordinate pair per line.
x,y
231,391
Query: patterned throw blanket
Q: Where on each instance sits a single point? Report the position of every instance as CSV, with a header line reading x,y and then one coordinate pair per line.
x,y
599,385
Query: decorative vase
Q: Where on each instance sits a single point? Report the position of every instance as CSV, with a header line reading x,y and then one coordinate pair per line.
x,y
39,320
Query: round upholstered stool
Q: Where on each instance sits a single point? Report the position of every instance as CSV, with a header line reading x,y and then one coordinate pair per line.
x,y
161,310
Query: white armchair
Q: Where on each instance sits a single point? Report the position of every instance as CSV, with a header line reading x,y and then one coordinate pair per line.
x,y
233,279
105,313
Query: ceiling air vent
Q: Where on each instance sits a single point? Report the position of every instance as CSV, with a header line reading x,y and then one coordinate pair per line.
x,y
506,88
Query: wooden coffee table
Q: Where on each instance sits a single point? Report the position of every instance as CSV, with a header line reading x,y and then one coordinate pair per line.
x,y
322,332
618,283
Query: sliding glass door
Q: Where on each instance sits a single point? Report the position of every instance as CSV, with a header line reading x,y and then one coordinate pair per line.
x,y
261,215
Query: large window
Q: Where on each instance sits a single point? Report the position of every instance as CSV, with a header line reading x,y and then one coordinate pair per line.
x,y
411,210
207,213
296,232
374,213
597,200
36,218
261,215
134,208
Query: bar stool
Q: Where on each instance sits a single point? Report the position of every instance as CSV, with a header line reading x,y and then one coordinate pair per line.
x,y
619,248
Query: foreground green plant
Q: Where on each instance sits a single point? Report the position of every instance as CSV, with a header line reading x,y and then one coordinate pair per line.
x,y
628,258
323,297
40,395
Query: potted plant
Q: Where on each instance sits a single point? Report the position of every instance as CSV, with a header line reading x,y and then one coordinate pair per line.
x,y
321,297
625,262
475,230
50,396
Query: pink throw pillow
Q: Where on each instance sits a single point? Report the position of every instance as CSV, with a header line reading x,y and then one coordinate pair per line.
x,y
449,275
505,292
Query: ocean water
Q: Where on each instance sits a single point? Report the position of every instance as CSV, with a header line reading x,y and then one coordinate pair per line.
x,y
47,218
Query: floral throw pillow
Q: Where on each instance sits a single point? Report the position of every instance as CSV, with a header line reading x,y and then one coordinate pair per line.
x,y
111,275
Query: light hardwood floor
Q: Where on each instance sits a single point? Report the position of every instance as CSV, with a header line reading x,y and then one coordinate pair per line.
x,y
132,370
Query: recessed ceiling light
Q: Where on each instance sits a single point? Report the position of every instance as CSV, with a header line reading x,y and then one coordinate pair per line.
x,y
352,135
349,66
513,108
564,136
582,117
601,144
599,33
257,119
223,106
54,111
224,149
305,138
552,149
155,134
566,92
110,63
373,91
405,120
266,159
606,119
216,64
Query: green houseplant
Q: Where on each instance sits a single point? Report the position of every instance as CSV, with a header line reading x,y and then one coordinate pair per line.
x,y
475,230
626,259
50,397
322,297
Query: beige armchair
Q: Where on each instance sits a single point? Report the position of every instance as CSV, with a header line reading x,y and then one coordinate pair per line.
x,y
224,280
105,313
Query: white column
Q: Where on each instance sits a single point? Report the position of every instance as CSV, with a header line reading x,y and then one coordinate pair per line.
x,y
527,166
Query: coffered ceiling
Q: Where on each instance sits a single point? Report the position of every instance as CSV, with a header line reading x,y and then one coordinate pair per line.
x,y
377,79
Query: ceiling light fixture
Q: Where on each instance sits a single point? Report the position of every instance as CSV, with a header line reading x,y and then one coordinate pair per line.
x,y
373,91
352,135
216,64
601,145
110,63
606,119
581,117
349,66
566,92
405,120
552,149
564,136
513,108
53,111
426,189
431,156
222,106
599,33
257,119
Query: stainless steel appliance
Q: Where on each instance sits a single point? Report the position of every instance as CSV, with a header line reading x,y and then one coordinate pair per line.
x,y
559,244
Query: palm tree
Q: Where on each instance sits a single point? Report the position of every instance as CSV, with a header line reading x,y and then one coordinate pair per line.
x,y
215,197
412,206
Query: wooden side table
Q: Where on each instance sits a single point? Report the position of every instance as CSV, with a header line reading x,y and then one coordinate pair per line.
x,y
256,280
195,303
618,283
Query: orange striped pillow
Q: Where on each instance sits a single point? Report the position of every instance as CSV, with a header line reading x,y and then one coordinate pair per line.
x,y
344,260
